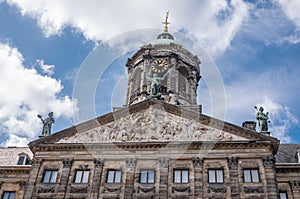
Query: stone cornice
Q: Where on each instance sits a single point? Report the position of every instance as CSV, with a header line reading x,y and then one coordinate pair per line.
x,y
287,168
153,146
15,169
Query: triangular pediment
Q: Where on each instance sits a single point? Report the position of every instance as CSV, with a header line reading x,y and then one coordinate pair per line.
x,y
153,121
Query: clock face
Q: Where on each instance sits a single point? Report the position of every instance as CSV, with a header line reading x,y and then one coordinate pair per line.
x,y
159,65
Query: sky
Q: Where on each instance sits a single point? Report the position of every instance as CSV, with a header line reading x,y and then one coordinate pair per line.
x,y
47,47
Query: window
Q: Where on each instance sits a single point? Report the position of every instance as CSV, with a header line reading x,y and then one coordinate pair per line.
x,y
215,176
23,160
181,176
49,176
8,195
147,176
82,176
251,175
283,195
114,176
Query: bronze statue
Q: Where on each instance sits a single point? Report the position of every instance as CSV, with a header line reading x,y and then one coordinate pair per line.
x,y
155,85
47,124
262,119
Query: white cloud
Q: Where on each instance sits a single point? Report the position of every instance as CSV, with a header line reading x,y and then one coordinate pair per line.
x,y
47,69
269,89
213,23
25,93
291,9
15,140
281,120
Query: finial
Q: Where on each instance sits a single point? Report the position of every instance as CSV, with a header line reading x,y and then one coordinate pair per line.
x,y
166,22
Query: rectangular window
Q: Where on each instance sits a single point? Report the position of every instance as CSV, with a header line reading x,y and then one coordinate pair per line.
x,y
8,195
283,195
147,176
21,160
82,176
181,176
251,175
50,176
114,176
215,176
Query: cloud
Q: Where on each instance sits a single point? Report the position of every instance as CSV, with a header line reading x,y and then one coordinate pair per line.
x,y
14,140
26,93
212,23
269,89
47,69
291,9
281,120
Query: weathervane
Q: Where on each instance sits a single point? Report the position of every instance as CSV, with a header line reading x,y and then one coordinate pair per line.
x,y
166,22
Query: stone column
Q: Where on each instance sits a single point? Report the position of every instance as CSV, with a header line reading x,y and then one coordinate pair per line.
x,y
30,192
129,183
163,184
198,181
268,162
98,168
233,163
62,188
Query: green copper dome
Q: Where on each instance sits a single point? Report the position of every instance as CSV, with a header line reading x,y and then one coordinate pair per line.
x,y
164,38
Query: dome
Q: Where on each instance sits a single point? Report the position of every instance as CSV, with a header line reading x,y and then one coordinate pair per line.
x,y
164,38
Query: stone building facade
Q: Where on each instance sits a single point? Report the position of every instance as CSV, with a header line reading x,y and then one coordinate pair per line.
x,y
158,146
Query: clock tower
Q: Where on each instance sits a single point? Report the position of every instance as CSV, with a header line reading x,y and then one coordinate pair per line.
x,y
164,70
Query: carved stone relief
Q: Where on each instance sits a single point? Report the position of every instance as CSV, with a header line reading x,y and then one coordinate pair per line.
x,y
151,125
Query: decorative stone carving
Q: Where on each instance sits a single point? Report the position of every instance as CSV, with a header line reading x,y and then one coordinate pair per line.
x,y
233,161
47,189
197,162
295,184
164,162
79,189
36,161
181,189
67,163
253,189
131,162
216,190
146,190
268,161
107,189
98,162
22,184
151,125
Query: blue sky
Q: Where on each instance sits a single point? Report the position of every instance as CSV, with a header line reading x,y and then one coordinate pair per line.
x,y
44,45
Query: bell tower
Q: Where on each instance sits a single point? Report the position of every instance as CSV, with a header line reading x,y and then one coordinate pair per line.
x,y
164,70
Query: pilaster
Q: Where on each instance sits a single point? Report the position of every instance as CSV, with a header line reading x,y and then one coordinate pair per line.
x,y
30,193
62,188
163,184
129,183
98,168
198,182
268,162
233,172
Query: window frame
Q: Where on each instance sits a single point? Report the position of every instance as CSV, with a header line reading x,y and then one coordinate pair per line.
x,y
251,175
50,181
83,178
181,175
9,195
148,176
215,176
285,193
115,178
